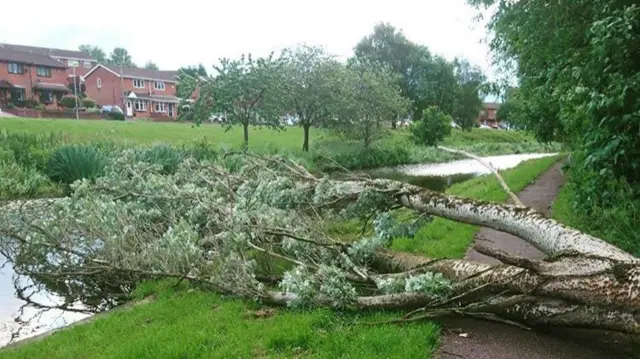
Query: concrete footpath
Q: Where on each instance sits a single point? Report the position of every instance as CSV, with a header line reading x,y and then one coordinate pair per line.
x,y
488,340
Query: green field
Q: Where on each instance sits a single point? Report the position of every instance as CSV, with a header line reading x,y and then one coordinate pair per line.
x,y
149,132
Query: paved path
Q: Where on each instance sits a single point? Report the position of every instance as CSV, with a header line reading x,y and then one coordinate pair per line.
x,y
488,340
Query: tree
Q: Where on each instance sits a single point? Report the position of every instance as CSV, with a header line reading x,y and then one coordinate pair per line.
x,y
578,68
120,56
95,52
246,91
434,126
466,99
150,65
209,223
424,79
368,97
312,82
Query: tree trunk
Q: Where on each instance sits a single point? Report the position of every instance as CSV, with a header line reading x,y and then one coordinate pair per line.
x,y
245,145
305,144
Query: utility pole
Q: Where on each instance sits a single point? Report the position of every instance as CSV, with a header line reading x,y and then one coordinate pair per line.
x,y
75,90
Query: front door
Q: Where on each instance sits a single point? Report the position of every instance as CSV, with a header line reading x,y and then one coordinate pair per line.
x,y
171,110
129,109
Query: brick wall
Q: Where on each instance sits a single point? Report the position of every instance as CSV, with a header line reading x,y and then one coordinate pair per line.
x,y
30,77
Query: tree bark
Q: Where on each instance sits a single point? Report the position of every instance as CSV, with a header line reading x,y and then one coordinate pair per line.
x,y
245,127
305,144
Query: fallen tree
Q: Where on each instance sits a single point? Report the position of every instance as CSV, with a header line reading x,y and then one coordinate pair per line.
x,y
263,228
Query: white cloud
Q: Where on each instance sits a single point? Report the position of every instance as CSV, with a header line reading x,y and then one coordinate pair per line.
x,y
190,31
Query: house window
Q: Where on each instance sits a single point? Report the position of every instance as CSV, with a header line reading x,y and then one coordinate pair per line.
x,y
15,68
140,105
99,82
43,71
158,86
87,64
46,97
73,63
138,83
161,107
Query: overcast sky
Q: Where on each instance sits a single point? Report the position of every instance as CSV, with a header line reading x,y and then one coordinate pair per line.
x,y
185,32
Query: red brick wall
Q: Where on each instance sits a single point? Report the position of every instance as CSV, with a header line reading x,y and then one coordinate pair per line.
x,y
113,88
109,93
30,77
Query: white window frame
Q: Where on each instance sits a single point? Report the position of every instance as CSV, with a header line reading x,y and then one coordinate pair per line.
x,y
156,86
138,83
99,82
86,64
161,107
140,105
73,63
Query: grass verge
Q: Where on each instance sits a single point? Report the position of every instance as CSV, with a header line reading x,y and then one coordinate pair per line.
x,y
444,238
197,324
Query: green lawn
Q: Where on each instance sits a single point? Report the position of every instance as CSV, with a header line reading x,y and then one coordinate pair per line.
x,y
444,238
148,132
196,324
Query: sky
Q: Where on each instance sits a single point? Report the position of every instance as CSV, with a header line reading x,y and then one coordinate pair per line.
x,y
185,32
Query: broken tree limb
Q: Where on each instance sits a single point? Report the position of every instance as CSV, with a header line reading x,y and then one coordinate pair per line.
x,y
222,233
488,165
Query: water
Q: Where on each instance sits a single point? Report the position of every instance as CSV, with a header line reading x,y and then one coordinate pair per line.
x,y
436,177
40,322
440,176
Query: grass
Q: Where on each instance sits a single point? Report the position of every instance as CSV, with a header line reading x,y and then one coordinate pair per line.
x,y
618,225
444,238
149,132
196,324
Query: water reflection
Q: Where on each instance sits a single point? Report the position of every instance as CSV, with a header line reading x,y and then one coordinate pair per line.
x,y
40,322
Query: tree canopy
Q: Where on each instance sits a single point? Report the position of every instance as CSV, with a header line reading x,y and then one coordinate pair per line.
x,y
578,65
150,65
312,80
121,57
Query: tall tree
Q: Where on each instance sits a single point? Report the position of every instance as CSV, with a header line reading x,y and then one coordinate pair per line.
x,y
578,66
312,86
150,65
467,102
96,52
424,79
120,56
369,96
247,91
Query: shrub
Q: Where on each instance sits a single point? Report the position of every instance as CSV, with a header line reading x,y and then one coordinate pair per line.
x,y
201,150
432,128
30,103
88,103
20,182
363,158
115,116
166,156
68,101
11,105
71,163
30,150
40,107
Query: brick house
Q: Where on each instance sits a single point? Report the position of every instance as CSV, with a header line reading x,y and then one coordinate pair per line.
x,y
31,76
139,92
69,58
489,115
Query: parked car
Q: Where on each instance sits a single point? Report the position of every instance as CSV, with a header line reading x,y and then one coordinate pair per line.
x,y
485,126
111,108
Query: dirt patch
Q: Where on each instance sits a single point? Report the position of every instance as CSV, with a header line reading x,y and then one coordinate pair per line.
x,y
487,340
